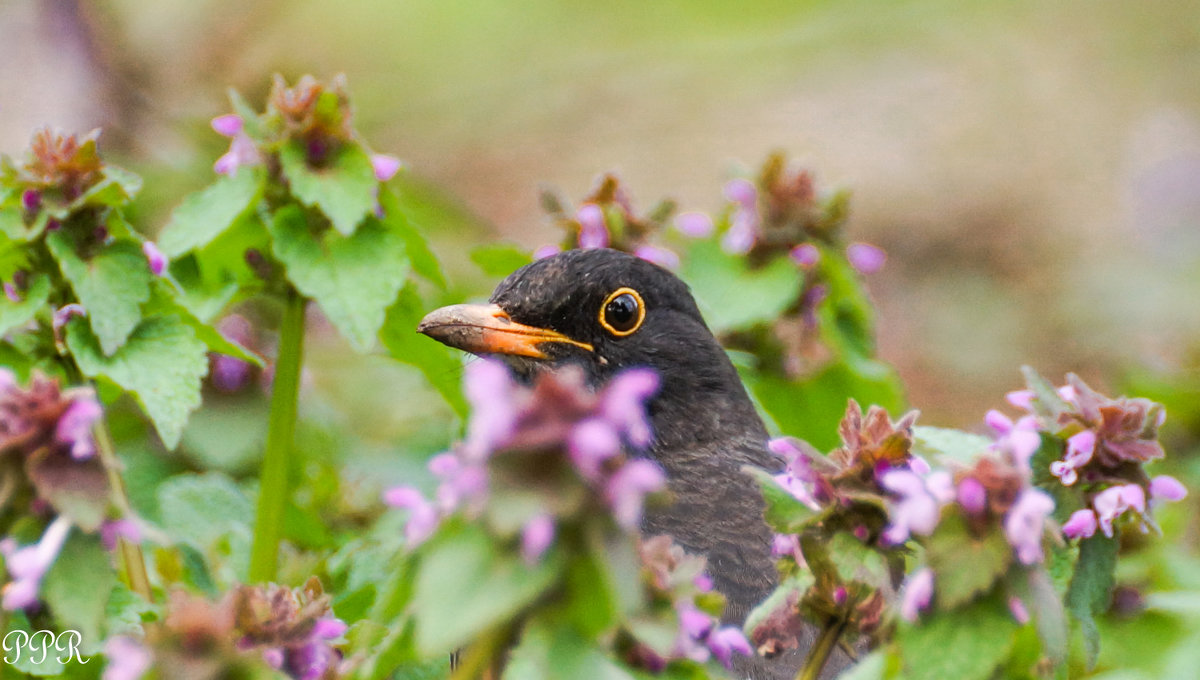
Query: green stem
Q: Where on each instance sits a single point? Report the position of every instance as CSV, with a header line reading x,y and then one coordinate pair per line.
x,y
273,483
131,553
820,651
479,660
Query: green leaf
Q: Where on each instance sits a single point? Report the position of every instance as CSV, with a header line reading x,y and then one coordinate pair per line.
x,y
76,488
944,445
41,661
441,365
77,588
112,286
17,314
1091,588
353,278
1048,402
200,510
423,260
785,513
126,612
1049,615
555,652
161,364
964,644
964,565
202,216
463,587
344,189
166,300
871,667
500,259
730,294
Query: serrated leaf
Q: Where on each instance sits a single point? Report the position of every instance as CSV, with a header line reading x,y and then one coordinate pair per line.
x,y
730,294
200,510
785,513
945,445
162,364
17,314
344,189
1091,588
464,586
500,259
111,286
165,300
202,216
441,365
965,566
353,278
964,644
423,260
77,588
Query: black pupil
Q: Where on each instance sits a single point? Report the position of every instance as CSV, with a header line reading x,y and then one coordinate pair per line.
x,y
621,312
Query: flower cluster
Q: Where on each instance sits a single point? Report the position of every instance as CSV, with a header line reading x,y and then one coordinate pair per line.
x,y
677,580
292,631
518,434
1106,443
606,219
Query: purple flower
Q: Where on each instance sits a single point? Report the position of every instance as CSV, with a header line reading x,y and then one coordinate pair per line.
x,y
536,537
1167,488
627,488
329,628
623,403
785,544
546,251
805,255
593,232
662,257
725,641
916,511
695,224
27,566
127,658
1020,438
31,200
1025,523
489,388
242,151
865,258
1081,524
273,657
703,582
466,486
1080,448
1018,610
155,258
694,623
743,192
916,594
385,166
742,233
10,292
1022,399
112,530
1115,500
228,125
590,444
74,428
422,516
972,496
798,488
63,314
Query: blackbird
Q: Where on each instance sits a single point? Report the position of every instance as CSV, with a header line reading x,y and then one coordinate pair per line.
x,y
607,311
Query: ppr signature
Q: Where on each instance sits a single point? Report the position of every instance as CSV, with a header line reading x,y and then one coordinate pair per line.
x,y
65,642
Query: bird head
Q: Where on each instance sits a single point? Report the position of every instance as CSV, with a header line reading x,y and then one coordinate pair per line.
x,y
605,311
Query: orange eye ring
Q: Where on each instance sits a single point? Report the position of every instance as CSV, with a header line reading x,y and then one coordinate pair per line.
x,y
623,312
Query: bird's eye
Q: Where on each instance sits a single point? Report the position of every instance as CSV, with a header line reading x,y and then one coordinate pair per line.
x,y
623,312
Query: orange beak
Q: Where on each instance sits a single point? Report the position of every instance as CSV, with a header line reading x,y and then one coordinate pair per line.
x,y
487,329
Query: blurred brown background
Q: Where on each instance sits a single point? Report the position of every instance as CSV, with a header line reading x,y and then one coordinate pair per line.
x,y
1033,169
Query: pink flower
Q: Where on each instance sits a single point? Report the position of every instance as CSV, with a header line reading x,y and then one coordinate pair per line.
x,y
1081,524
784,544
590,444
1114,501
10,292
114,529
725,641
546,251
916,594
385,166
972,496
31,200
627,488
155,258
742,233
422,516
593,232
74,427
917,509
536,537
865,258
1021,438
694,224
1167,488
1022,399
805,255
743,192
329,628
27,566
623,404
229,125
1018,610
660,256
1080,448
490,390
127,658
1025,523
